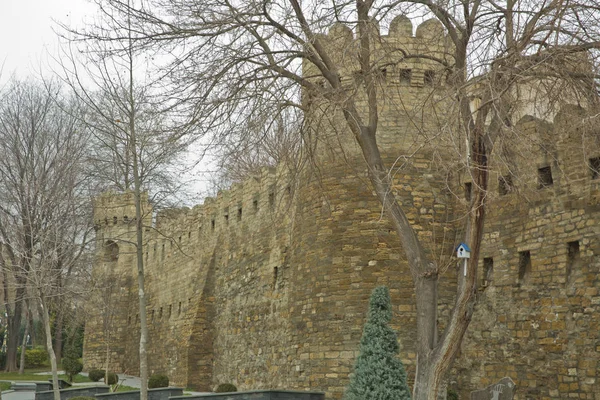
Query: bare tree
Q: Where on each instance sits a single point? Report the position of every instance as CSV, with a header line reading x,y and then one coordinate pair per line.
x,y
42,229
133,151
232,58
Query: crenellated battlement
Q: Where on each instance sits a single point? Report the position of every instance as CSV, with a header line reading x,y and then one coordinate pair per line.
x,y
112,208
244,202
403,58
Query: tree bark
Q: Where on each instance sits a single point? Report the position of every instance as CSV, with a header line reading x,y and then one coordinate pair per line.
x,y
50,349
58,331
12,343
24,343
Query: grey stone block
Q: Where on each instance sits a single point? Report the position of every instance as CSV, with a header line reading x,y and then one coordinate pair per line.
x,y
65,394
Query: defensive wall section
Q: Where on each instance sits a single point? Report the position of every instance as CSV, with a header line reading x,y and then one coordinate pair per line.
x,y
266,286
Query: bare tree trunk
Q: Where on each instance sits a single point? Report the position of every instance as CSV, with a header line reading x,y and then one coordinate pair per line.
x,y
58,332
49,347
12,343
139,230
24,342
106,369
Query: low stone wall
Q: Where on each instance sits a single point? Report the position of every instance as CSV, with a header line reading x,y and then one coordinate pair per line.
x,y
153,394
88,391
258,395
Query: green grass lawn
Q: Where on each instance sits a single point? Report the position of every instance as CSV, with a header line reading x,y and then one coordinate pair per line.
x,y
124,388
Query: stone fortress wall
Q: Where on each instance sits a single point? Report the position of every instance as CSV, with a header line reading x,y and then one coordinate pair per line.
x,y
266,286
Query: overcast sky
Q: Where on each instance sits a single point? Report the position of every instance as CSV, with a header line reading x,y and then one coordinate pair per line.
x,y
26,32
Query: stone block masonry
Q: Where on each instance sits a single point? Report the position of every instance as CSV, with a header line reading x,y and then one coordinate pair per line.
x,y
266,286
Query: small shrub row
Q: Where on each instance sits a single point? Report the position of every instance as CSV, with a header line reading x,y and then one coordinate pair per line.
x,y
36,357
158,381
97,375
226,388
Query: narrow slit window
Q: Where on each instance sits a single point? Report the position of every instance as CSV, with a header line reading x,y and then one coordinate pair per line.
x,y
162,255
275,273
545,177
524,264
488,270
405,76
212,224
271,199
429,78
169,315
239,214
383,73
505,185
595,167
573,257
160,313
179,309
255,204
468,191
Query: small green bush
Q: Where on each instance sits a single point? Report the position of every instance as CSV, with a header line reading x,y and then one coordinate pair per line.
x,y
72,367
451,395
158,381
96,375
112,378
36,357
226,388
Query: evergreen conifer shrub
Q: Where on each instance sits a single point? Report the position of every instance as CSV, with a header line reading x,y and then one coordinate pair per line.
x,y
71,363
378,372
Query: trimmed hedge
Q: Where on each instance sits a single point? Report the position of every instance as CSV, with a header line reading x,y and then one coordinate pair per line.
x,y
158,381
112,378
96,375
226,388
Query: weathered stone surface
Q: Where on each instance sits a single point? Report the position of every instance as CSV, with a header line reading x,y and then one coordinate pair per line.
x,y
503,390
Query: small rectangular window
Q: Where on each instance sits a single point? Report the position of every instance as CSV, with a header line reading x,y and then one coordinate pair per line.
x,y
212,224
255,204
405,76
524,264
572,257
488,270
429,78
545,177
595,167
239,214
271,199
505,185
